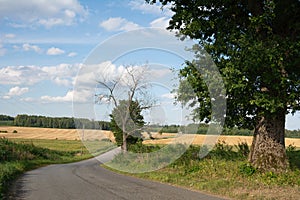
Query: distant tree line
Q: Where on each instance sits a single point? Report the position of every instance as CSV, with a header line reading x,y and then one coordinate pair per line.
x,y
292,134
44,122
69,123
6,120
52,122
202,128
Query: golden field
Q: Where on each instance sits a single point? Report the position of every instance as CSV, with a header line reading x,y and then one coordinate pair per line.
x,y
54,133
165,138
230,140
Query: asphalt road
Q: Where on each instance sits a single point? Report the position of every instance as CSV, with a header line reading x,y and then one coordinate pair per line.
x,y
87,180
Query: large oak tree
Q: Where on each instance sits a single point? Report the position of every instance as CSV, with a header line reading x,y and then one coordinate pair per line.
x,y
256,46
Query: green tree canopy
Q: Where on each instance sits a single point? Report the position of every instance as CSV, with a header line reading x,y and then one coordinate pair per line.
x,y
256,47
127,122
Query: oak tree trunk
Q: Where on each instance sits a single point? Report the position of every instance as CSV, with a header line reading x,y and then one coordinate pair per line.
x,y
268,147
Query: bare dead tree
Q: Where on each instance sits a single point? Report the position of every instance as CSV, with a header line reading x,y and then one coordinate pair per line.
x,y
130,85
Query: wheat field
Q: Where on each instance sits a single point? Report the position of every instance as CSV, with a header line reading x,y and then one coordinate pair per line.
x,y
206,139
165,138
54,133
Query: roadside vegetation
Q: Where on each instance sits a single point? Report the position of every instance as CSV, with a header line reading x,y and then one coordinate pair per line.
x,y
226,172
21,155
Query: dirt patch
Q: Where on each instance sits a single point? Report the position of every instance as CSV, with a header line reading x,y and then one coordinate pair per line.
x,y
274,192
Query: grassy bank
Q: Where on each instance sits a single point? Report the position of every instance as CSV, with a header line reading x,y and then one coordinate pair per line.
x,y
21,155
225,172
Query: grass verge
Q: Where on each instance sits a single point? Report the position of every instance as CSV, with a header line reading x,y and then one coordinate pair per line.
x,y
21,155
225,172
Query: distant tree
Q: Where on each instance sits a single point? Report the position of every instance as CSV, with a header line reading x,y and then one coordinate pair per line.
x,y
130,87
127,122
6,118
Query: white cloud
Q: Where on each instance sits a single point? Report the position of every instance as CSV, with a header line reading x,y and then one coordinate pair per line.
x,y
105,72
155,9
12,75
168,95
6,97
28,99
61,74
72,54
53,51
67,98
60,81
66,75
90,76
46,13
75,96
16,47
16,91
9,36
61,70
51,22
118,24
28,47
162,22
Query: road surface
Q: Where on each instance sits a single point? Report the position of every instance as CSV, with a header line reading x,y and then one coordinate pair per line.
x,y
87,180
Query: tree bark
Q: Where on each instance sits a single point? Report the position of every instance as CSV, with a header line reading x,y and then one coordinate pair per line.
x,y
124,145
268,147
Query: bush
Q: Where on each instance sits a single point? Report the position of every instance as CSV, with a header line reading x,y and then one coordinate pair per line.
x,y
15,131
243,149
293,156
224,151
247,169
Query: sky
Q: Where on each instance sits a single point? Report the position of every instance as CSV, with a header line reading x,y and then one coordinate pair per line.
x,y
44,46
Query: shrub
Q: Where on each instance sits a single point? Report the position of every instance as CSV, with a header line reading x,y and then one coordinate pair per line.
x,y
243,149
224,151
247,169
293,156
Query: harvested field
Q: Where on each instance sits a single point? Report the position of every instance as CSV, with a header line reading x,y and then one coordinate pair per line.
x,y
199,139
165,138
53,133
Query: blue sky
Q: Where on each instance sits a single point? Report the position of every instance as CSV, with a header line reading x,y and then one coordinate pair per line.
x,y
44,43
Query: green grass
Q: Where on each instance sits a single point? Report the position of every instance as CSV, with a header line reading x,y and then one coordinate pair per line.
x,y
20,155
225,172
59,145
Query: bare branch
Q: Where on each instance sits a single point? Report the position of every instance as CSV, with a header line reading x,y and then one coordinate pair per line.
x,y
129,86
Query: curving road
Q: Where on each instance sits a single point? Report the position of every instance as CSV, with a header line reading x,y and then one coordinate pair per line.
x,y
87,180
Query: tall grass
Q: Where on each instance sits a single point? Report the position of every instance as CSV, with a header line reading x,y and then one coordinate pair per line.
x,y
226,172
